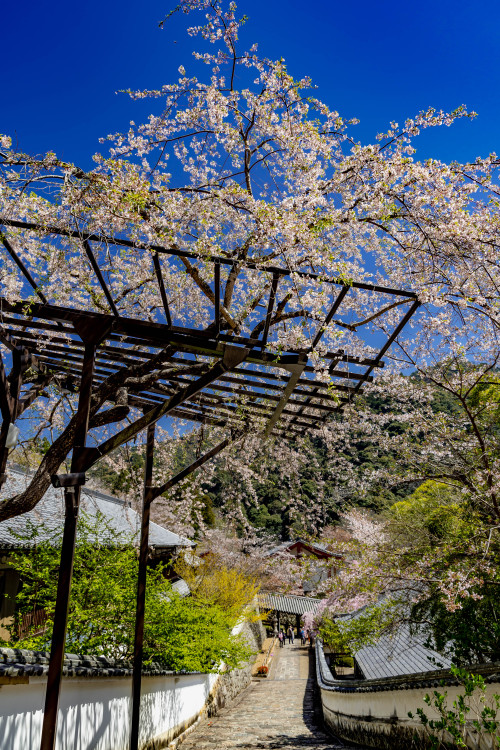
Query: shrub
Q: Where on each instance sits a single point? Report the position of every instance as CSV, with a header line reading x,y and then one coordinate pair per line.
x,y
182,634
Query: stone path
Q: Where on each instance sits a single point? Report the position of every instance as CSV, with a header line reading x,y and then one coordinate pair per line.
x,y
277,712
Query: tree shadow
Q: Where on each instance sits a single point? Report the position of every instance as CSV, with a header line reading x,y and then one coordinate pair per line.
x,y
312,713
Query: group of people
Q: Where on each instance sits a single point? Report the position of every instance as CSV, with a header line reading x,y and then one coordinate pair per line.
x,y
304,634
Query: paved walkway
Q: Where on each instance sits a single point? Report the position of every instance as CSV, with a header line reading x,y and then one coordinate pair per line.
x,y
277,712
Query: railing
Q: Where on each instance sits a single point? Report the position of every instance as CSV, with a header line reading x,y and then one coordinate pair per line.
x,y
266,661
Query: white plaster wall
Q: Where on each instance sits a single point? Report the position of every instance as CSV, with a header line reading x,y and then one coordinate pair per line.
x,y
392,704
94,712
387,704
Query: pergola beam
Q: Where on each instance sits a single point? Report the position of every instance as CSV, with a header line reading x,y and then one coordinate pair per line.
x,y
157,491
270,306
404,320
27,275
161,285
284,399
232,357
121,242
338,301
100,277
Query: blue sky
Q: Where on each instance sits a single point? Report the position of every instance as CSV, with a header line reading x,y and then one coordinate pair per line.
x,y
63,62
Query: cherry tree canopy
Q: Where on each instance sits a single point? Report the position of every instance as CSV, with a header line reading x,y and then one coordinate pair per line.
x,y
238,259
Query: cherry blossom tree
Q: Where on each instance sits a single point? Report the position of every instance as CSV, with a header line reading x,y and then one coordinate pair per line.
x,y
247,164
432,557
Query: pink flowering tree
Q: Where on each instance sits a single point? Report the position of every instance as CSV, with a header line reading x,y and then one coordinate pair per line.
x,y
245,162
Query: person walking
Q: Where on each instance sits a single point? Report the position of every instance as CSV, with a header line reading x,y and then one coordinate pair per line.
x,y
302,637
281,638
290,634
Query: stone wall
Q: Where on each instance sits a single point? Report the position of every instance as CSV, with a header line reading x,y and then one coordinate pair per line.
x,y
231,684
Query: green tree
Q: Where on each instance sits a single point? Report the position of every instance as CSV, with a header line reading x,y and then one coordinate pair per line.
x,y
348,635
182,634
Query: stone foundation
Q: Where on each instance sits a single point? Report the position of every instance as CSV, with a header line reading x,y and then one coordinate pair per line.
x,y
231,684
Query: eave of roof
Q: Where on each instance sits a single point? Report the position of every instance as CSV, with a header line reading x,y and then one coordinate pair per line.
x,y
288,603
122,520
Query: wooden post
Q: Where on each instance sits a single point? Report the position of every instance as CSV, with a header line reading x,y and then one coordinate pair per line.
x,y
141,590
72,504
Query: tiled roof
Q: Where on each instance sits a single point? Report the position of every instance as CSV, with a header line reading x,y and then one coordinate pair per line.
x,y
397,654
288,603
122,520
16,662
286,545
400,654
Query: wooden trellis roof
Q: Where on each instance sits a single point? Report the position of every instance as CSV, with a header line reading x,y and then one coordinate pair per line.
x,y
261,388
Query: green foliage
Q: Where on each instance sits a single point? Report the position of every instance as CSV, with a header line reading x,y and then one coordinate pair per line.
x,y
341,660
190,635
486,396
432,512
120,481
437,521
470,634
469,711
214,584
348,635
182,634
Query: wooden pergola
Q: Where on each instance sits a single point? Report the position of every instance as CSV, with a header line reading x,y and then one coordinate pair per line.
x,y
213,376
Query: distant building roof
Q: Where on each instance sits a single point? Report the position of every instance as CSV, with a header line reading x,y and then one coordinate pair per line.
x,y
319,549
288,603
120,519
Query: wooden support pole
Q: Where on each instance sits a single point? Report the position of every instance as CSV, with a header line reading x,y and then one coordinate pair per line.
x,y
72,502
6,411
217,298
10,393
141,590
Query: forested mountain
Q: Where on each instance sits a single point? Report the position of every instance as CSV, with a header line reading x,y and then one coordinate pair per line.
x,y
363,472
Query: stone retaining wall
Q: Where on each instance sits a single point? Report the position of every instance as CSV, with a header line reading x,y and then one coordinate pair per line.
x,y
231,684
